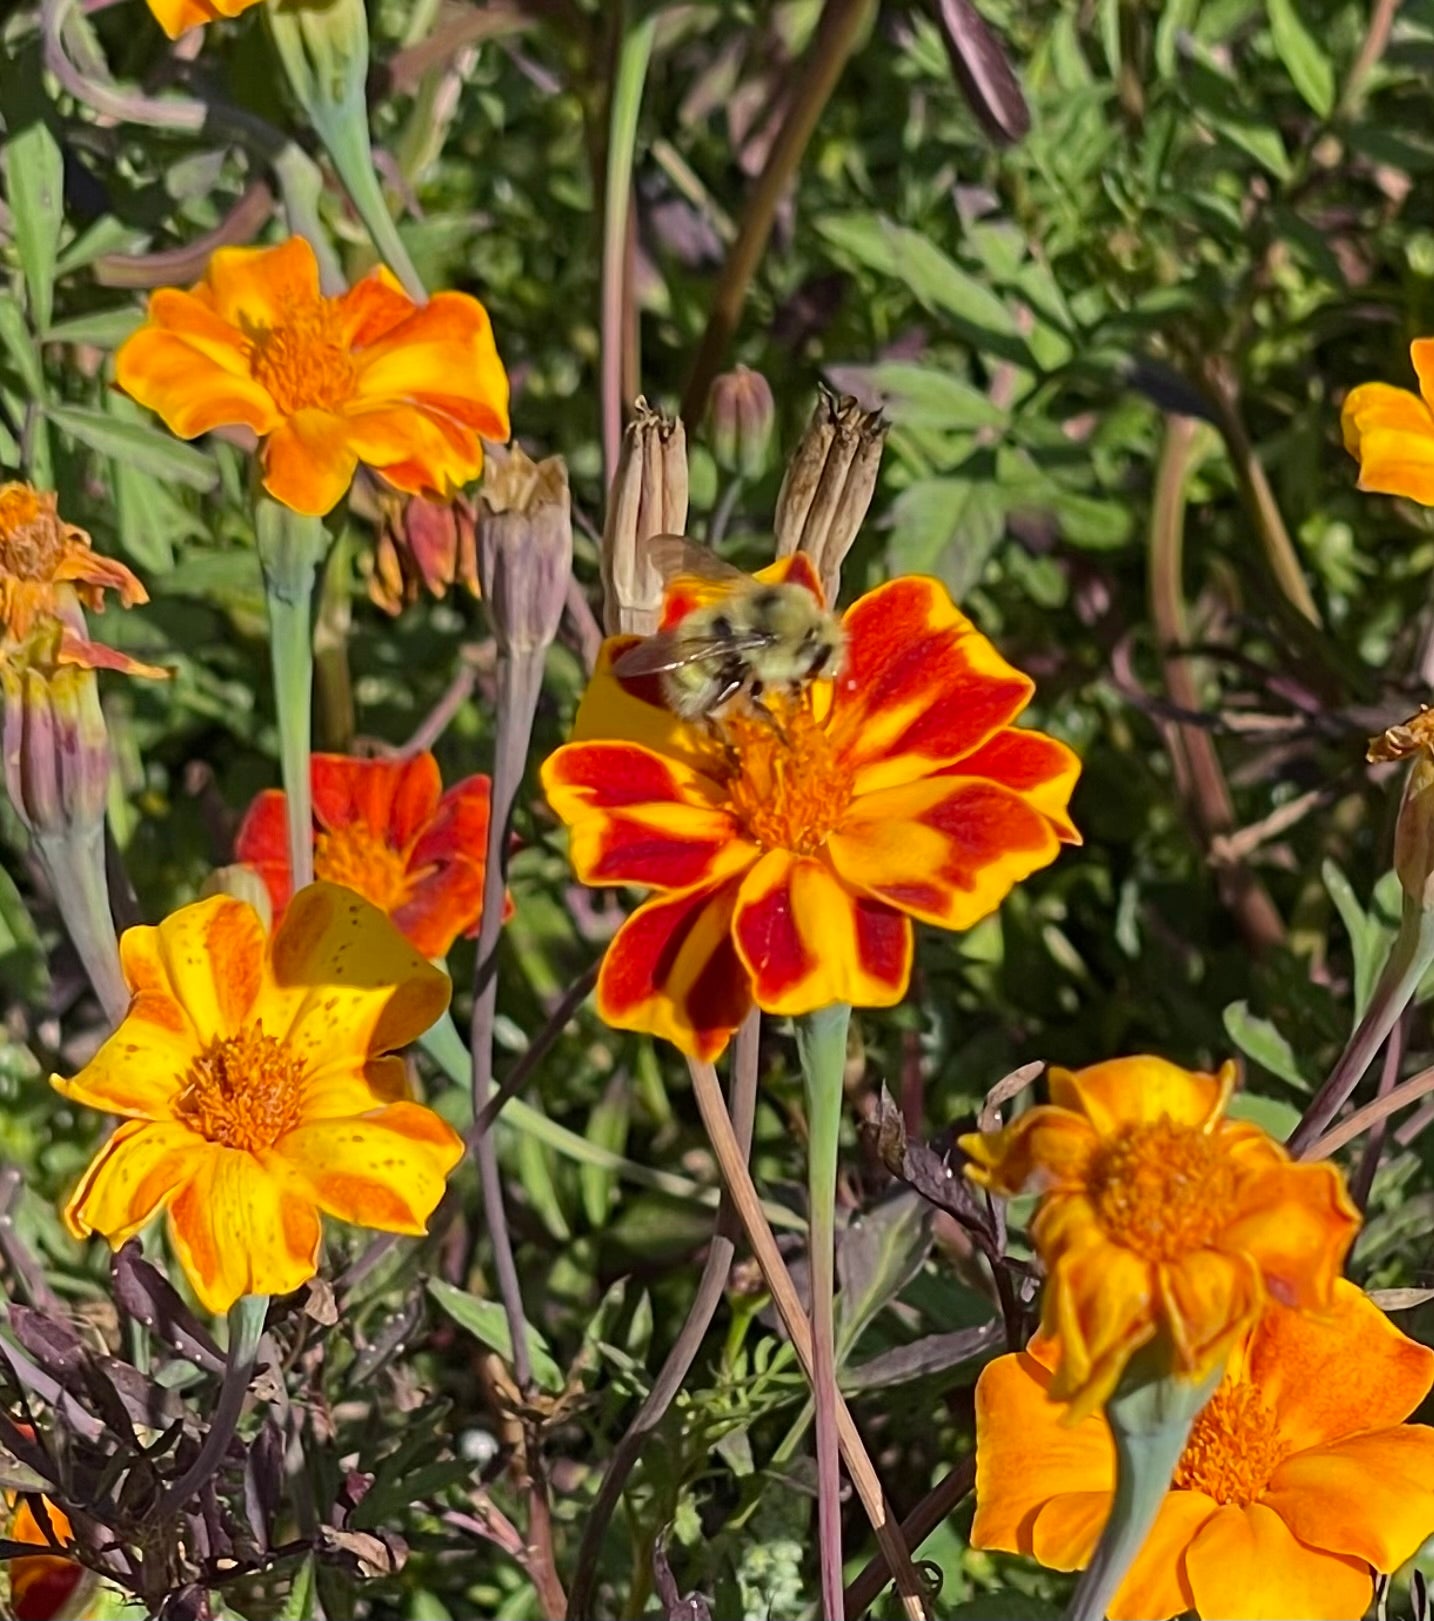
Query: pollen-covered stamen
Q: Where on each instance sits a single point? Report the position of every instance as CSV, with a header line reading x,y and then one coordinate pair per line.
x,y
32,537
243,1092
1162,1189
357,858
787,786
1233,1448
301,360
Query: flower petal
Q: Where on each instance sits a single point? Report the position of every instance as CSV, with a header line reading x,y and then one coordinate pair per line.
x,y
808,941
1298,1222
1207,1301
1156,1584
671,971
633,711
1421,355
387,1169
1098,1304
1040,769
1064,1531
372,308
920,688
139,1071
205,960
393,799
1139,1090
345,1088
1245,1565
263,844
238,1230
190,390
948,850
1046,1149
451,856
1375,406
309,462
1391,431
136,1173
345,981
255,289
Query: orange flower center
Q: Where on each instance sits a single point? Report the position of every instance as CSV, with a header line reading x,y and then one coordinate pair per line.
x,y
244,1092
786,785
360,860
32,538
302,361
1233,1449
1162,1189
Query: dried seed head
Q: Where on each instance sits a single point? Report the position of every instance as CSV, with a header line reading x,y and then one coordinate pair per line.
x,y
648,497
740,419
524,547
829,484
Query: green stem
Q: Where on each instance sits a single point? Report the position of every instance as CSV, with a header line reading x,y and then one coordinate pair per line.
x,y
74,863
821,1045
291,546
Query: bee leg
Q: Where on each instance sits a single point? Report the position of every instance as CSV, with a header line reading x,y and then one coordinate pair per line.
x,y
770,716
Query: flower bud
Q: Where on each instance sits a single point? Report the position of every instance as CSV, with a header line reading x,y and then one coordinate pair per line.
x,y
524,547
423,544
323,45
980,68
1414,831
829,484
648,497
740,421
57,754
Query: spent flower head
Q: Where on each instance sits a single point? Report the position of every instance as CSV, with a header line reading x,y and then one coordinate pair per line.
x,y
648,498
525,548
828,485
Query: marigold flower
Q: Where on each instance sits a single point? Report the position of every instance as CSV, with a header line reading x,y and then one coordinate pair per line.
x,y
175,17
1298,1482
386,829
327,383
1391,431
1159,1218
788,859
41,1583
252,1078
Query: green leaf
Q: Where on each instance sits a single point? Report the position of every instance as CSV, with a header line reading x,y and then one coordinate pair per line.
x,y
607,1127
302,1601
1370,933
105,329
1306,64
143,448
930,397
34,181
486,1321
1259,1040
16,339
948,527
22,957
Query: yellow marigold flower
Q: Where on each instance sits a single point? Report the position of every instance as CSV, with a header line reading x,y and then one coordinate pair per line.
x,y
327,383
1391,431
1160,1219
252,1078
175,17
1298,1482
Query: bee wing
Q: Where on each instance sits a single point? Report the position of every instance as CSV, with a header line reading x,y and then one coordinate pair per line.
x,y
669,650
684,563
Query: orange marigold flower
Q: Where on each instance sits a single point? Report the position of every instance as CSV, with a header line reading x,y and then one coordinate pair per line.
x,y
1391,431
1161,1219
177,16
41,1583
789,858
1298,1481
49,574
327,383
252,1078
386,829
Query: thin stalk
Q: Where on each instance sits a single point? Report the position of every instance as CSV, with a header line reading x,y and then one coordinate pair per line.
x,y
246,1326
625,104
937,1506
710,1288
821,1045
864,1478
1410,958
74,863
1365,1172
1354,1125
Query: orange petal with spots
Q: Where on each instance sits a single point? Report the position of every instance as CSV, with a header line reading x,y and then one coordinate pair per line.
x,y
1141,1090
808,941
1244,1564
947,850
206,959
1040,769
345,981
671,971
386,1170
309,462
341,1090
238,1230
136,1173
1298,1223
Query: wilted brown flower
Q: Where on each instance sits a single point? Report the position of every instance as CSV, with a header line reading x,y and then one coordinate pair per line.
x,y
648,497
423,544
829,484
1413,740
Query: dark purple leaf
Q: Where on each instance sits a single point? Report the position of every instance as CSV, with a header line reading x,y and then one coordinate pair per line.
x,y
152,1301
934,1354
979,65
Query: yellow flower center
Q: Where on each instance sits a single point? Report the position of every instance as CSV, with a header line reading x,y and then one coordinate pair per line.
x,y
301,361
361,861
32,538
1233,1449
1162,1189
244,1092
785,784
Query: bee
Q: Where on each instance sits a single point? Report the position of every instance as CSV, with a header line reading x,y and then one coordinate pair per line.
x,y
745,639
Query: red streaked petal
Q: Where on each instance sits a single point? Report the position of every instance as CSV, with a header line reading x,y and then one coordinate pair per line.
x,y
920,688
671,971
808,941
633,711
263,844
599,776
1040,769
684,592
948,850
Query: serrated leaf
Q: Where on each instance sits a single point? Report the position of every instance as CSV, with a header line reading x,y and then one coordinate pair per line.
x,y
947,527
1305,62
146,449
930,397
1259,1040
34,173
486,1321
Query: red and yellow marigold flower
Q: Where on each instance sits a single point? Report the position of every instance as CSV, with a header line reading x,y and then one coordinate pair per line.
x,y
41,1584
1160,1219
255,1082
326,383
386,829
175,17
1299,1480
1391,431
789,859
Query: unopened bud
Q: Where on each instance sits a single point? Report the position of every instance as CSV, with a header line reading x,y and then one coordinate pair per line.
x,y
323,45
524,547
1414,831
423,545
244,884
648,497
57,754
829,485
980,68
741,416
